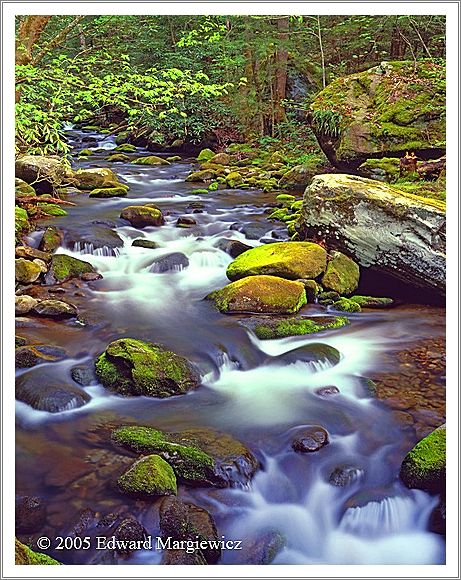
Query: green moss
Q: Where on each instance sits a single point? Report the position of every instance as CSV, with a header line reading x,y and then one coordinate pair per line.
x,y
118,158
372,301
203,175
126,148
134,367
149,476
109,192
51,239
23,555
346,305
278,214
298,326
86,152
64,267
189,463
23,189
51,209
213,186
21,221
173,158
342,274
200,191
205,155
424,466
291,260
150,160
234,179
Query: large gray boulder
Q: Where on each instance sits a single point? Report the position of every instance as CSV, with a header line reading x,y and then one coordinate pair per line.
x,y
379,226
44,173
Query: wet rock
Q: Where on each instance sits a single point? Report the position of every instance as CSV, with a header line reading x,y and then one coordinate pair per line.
x,y
24,304
134,367
118,158
63,268
85,521
312,289
107,192
234,179
92,237
32,253
150,160
406,234
205,155
41,264
26,271
171,262
298,177
342,274
19,341
329,391
345,475
142,216
233,247
266,294
90,277
254,230
309,353
198,456
30,514
51,240
97,178
55,309
149,476
270,328
43,173
437,522
187,521
290,260
327,298
29,356
23,189
83,375
148,244
23,555
372,301
346,305
261,550
204,175
125,148
424,467
129,530
310,439
44,393
185,222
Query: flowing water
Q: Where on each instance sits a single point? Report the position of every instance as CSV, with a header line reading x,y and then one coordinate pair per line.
x,y
255,390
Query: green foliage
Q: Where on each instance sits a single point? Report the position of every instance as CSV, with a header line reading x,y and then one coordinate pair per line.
x,y
327,122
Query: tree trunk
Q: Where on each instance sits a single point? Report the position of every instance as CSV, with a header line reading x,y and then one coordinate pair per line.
x,y
281,60
30,31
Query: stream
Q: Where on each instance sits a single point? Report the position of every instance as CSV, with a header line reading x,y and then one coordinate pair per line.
x,y
251,389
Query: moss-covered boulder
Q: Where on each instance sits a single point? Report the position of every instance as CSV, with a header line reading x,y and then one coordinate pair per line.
x,y
109,192
142,216
265,294
424,467
384,111
342,274
55,309
21,222
51,240
43,173
379,226
85,153
97,178
198,456
125,148
280,328
297,178
23,555
24,304
386,169
51,209
26,271
150,160
63,268
347,305
372,301
147,244
205,155
133,367
118,158
23,189
203,175
234,179
149,476
291,260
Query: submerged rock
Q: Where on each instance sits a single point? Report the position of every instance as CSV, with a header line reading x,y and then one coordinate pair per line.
x,y
424,467
30,514
280,328
148,476
63,268
345,475
171,262
44,393
83,375
55,309
29,356
327,391
291,260
142,216
266,294
379,226
310,439
310,353
232,247
342,274
133,367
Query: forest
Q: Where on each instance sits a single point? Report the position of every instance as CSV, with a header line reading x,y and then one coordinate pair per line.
x,y
230,261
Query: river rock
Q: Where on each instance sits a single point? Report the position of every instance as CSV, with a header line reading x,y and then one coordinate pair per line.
x,y
232,247
126,148
372,301
298,177
83,375
32,254
346,305
129,530
51,240
150,160
23,189
310,439
44,393
43,173
198,456
253,230
327,391
342,274
437,522
148,244
142,216
187,521
270,328
171,262
104,192
345,475
29,356
24,304
97,178
185,222
203,175
379,226
149,476
309,353
261,549
30,514
23,555
63,268
118,158
26,271
55,309
424,467
205,155
92,237
291,260
133,367
366,114
265,294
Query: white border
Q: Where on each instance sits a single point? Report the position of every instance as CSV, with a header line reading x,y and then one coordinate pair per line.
x,y
450,9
